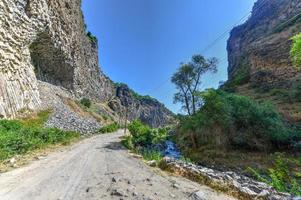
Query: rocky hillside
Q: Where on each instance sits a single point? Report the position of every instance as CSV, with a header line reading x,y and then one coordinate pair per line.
x,y
135,106
259,60
47,41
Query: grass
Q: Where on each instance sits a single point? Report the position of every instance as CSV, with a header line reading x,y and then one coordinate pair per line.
x,y
151,155
19,137
109,128
280,175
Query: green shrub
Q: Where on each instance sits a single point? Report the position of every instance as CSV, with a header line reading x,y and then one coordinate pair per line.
x,y
235,121
85,102
151,154
143,135
92,37
296,50
19,137
109,128
128,142
279,176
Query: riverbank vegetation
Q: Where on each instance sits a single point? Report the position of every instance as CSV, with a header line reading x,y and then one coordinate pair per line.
x,y
230,131
146,141
18,137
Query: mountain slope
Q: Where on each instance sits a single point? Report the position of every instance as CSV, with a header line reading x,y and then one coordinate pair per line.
x,y
46,41
260,65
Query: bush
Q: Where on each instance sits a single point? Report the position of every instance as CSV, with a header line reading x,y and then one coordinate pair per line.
x,y
296,50
143,135
19,137
85,102
279,176
92,37
235,121
151,154
128,142
109,128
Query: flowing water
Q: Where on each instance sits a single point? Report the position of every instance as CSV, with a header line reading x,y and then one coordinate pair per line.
x,y
171,150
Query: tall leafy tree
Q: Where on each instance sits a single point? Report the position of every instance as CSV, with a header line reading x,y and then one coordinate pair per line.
x,y
188,80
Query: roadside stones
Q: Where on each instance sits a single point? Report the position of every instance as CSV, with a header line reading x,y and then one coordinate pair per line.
x,y
118,192
199,195
230,182
12,161
174,185
63,117
152,163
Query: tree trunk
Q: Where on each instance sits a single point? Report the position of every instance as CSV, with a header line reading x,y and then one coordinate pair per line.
x,y
193,104
193,141
187,104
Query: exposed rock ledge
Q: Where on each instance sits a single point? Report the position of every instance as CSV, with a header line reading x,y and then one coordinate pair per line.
x,y
239,186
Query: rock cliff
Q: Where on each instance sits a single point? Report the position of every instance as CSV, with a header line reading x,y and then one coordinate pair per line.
x,y
46,41
260,65
259,48
147,109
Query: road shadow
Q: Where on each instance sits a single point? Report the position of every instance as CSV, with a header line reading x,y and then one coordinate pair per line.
x,y
116,146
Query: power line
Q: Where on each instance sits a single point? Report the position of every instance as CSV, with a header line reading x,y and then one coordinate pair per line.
x,y
221,36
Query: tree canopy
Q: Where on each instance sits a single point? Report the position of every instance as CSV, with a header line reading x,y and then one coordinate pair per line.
x,y
188,80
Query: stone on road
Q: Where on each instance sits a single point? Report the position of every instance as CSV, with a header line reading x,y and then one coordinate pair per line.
x,y
93,169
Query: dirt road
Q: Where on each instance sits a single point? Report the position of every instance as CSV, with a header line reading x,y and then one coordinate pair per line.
x,y
96,168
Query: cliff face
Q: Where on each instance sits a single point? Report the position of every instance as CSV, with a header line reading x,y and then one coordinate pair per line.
x,y
148,110
260,65
46,41
258,50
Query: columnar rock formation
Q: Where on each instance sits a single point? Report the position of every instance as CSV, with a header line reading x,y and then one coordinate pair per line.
x,y
260,47
46,40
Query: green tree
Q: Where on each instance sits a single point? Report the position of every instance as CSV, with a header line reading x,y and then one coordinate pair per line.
x,y
188,80
296,50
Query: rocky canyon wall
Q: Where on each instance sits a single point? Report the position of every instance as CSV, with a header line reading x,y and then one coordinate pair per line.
x,y
258,50
47,41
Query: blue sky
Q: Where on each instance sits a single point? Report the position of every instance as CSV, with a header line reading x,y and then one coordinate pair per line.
x,y
142,42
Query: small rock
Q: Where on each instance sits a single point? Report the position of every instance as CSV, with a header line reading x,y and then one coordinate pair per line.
x,y
264,193
175,186
12,160
152,163
199,195
137,156
117,192
148,180
88,189
114,180
135,194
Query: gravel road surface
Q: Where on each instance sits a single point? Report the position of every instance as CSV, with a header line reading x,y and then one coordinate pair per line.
x,y
98,168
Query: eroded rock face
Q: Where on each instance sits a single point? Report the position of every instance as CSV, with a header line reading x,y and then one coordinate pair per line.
x,y
46,40
148,110
261,46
